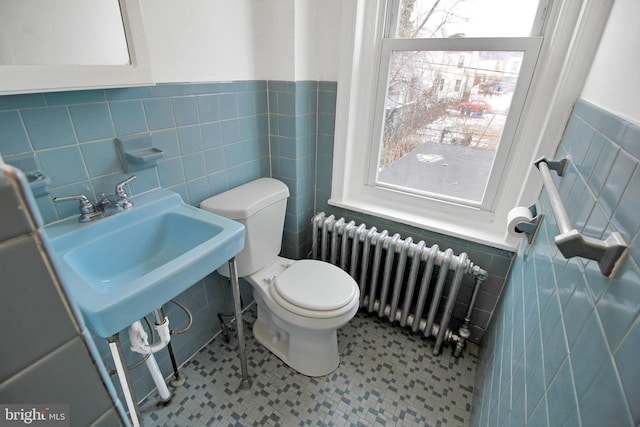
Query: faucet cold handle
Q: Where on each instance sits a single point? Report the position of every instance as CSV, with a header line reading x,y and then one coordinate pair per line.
x,y
120,186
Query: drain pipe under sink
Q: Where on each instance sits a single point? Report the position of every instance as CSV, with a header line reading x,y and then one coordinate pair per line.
x,y
140,344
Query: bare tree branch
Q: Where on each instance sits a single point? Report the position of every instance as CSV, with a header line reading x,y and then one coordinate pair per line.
x,y
426,18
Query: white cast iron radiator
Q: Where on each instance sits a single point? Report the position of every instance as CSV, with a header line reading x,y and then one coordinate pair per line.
x,y
399,279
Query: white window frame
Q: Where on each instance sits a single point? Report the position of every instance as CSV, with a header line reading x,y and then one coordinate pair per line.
x,y
571,31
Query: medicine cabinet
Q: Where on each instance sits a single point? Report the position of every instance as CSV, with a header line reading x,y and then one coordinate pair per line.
x,y
71,44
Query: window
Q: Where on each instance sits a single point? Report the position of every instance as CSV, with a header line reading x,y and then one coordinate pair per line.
x,y
443,132
446,145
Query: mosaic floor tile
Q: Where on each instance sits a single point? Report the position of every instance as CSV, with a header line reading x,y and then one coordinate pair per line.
x,y
387,377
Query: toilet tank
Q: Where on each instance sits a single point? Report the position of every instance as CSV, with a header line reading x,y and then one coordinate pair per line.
x,y
260,206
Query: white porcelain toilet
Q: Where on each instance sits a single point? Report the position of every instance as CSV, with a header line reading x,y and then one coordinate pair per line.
x,y
301,304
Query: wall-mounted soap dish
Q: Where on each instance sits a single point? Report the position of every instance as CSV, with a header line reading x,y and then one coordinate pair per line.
x,y
39,183
137,153
29,165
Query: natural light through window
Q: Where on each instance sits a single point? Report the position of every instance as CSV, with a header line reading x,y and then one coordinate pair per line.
x,y
444,119
444,111
466,18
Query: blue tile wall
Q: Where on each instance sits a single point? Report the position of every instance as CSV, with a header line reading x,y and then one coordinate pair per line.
x,y
293,129
562,350
72,135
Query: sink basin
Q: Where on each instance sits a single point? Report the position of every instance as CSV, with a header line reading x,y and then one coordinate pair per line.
x,y
120,268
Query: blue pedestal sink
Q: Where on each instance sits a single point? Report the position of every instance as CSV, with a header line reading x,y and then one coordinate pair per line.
x,y
120,268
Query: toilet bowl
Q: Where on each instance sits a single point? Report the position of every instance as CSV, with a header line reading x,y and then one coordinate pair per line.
x,y
300,304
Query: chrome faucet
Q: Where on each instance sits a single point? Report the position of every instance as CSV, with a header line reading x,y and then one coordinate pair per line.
x,y
118,201
107,204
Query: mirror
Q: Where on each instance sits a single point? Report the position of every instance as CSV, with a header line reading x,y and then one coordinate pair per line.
x,y
71,44
70,32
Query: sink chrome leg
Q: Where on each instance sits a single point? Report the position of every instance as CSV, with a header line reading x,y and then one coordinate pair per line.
x,y
178,378
245,384
125,380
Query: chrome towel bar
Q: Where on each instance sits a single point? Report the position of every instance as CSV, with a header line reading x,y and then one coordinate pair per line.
x,y
570,241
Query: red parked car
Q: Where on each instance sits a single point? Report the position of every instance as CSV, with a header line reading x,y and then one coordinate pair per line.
x,y
477,106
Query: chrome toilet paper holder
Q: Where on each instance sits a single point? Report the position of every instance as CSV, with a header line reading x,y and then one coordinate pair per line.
x,y
531,228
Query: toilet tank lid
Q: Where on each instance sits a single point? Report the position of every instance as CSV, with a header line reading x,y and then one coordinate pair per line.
x,y
247,199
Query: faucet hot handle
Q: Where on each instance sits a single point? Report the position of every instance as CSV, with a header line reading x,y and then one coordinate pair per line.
x,y
120,186
85,204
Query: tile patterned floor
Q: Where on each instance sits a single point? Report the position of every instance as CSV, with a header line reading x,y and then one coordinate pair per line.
x,y
387,377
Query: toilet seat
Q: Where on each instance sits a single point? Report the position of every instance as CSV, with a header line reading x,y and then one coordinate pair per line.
x,y
314,289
